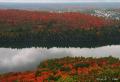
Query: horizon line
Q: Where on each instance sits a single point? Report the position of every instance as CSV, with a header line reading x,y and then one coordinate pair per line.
x,y
62,2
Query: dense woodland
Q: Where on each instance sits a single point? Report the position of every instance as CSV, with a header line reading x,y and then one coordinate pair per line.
x,y
22,28
70,69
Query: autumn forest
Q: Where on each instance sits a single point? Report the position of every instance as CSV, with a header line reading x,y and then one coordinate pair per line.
x,y
25,33
46,29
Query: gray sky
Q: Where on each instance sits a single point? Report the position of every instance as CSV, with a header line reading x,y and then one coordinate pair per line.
x,y
59,1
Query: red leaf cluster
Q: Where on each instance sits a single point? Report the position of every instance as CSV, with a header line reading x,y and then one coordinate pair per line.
x,y
70,20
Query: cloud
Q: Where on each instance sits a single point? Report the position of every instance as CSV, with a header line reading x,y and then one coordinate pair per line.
x,y
26,59
12,60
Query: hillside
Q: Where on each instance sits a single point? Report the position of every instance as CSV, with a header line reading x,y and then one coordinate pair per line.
x,y
55,20
70,69
47,29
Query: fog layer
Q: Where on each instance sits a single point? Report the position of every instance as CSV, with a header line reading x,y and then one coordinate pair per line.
x,y
12,60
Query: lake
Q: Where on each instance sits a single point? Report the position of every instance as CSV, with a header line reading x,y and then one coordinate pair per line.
x,y
13,60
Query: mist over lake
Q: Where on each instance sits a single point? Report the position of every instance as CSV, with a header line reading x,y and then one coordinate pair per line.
x,y
12,60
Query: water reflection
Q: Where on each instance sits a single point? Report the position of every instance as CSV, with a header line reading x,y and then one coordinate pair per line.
x,y
29,58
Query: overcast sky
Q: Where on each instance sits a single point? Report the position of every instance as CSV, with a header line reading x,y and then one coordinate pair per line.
x,y
59,0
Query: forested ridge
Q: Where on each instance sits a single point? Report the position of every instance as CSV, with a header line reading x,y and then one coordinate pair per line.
x,y
22,28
